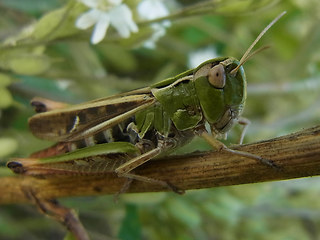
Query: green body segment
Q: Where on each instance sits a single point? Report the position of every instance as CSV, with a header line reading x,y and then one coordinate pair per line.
x,y
189,99
171,80
177,104
179,101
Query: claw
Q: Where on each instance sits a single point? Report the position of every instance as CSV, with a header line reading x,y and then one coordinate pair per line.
x,y
175,189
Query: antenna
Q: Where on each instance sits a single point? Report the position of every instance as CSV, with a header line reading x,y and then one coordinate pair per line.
x,y
246,56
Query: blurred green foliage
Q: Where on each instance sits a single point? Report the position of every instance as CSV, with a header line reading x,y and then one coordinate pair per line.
x,y
43,54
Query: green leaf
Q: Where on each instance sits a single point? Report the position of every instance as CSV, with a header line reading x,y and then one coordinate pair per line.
x,y
115,54
7,145
48,23
5,98
69,236
5,172
28,64
144,199
31,6
184,212
5,80
131,226
232,6
58,23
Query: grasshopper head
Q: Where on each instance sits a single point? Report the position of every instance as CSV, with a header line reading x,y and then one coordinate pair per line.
x,y
221,92
221,86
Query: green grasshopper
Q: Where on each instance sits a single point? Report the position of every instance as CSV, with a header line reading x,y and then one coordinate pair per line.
x,y
121,132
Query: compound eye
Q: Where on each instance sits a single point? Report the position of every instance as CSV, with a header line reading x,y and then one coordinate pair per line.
x,y
217,76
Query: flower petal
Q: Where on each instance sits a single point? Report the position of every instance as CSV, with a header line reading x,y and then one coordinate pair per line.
x,y
115,2
88,19
91,3
122,21
159,31
201,55
100,28
152,9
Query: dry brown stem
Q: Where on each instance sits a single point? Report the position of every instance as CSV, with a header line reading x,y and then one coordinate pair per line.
x,y
297,155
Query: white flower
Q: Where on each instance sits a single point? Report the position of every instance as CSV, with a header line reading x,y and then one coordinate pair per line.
x,y
158,31
152,9
104,13
200,56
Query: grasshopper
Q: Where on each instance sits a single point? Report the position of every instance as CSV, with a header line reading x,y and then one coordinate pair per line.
x,y
121,132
